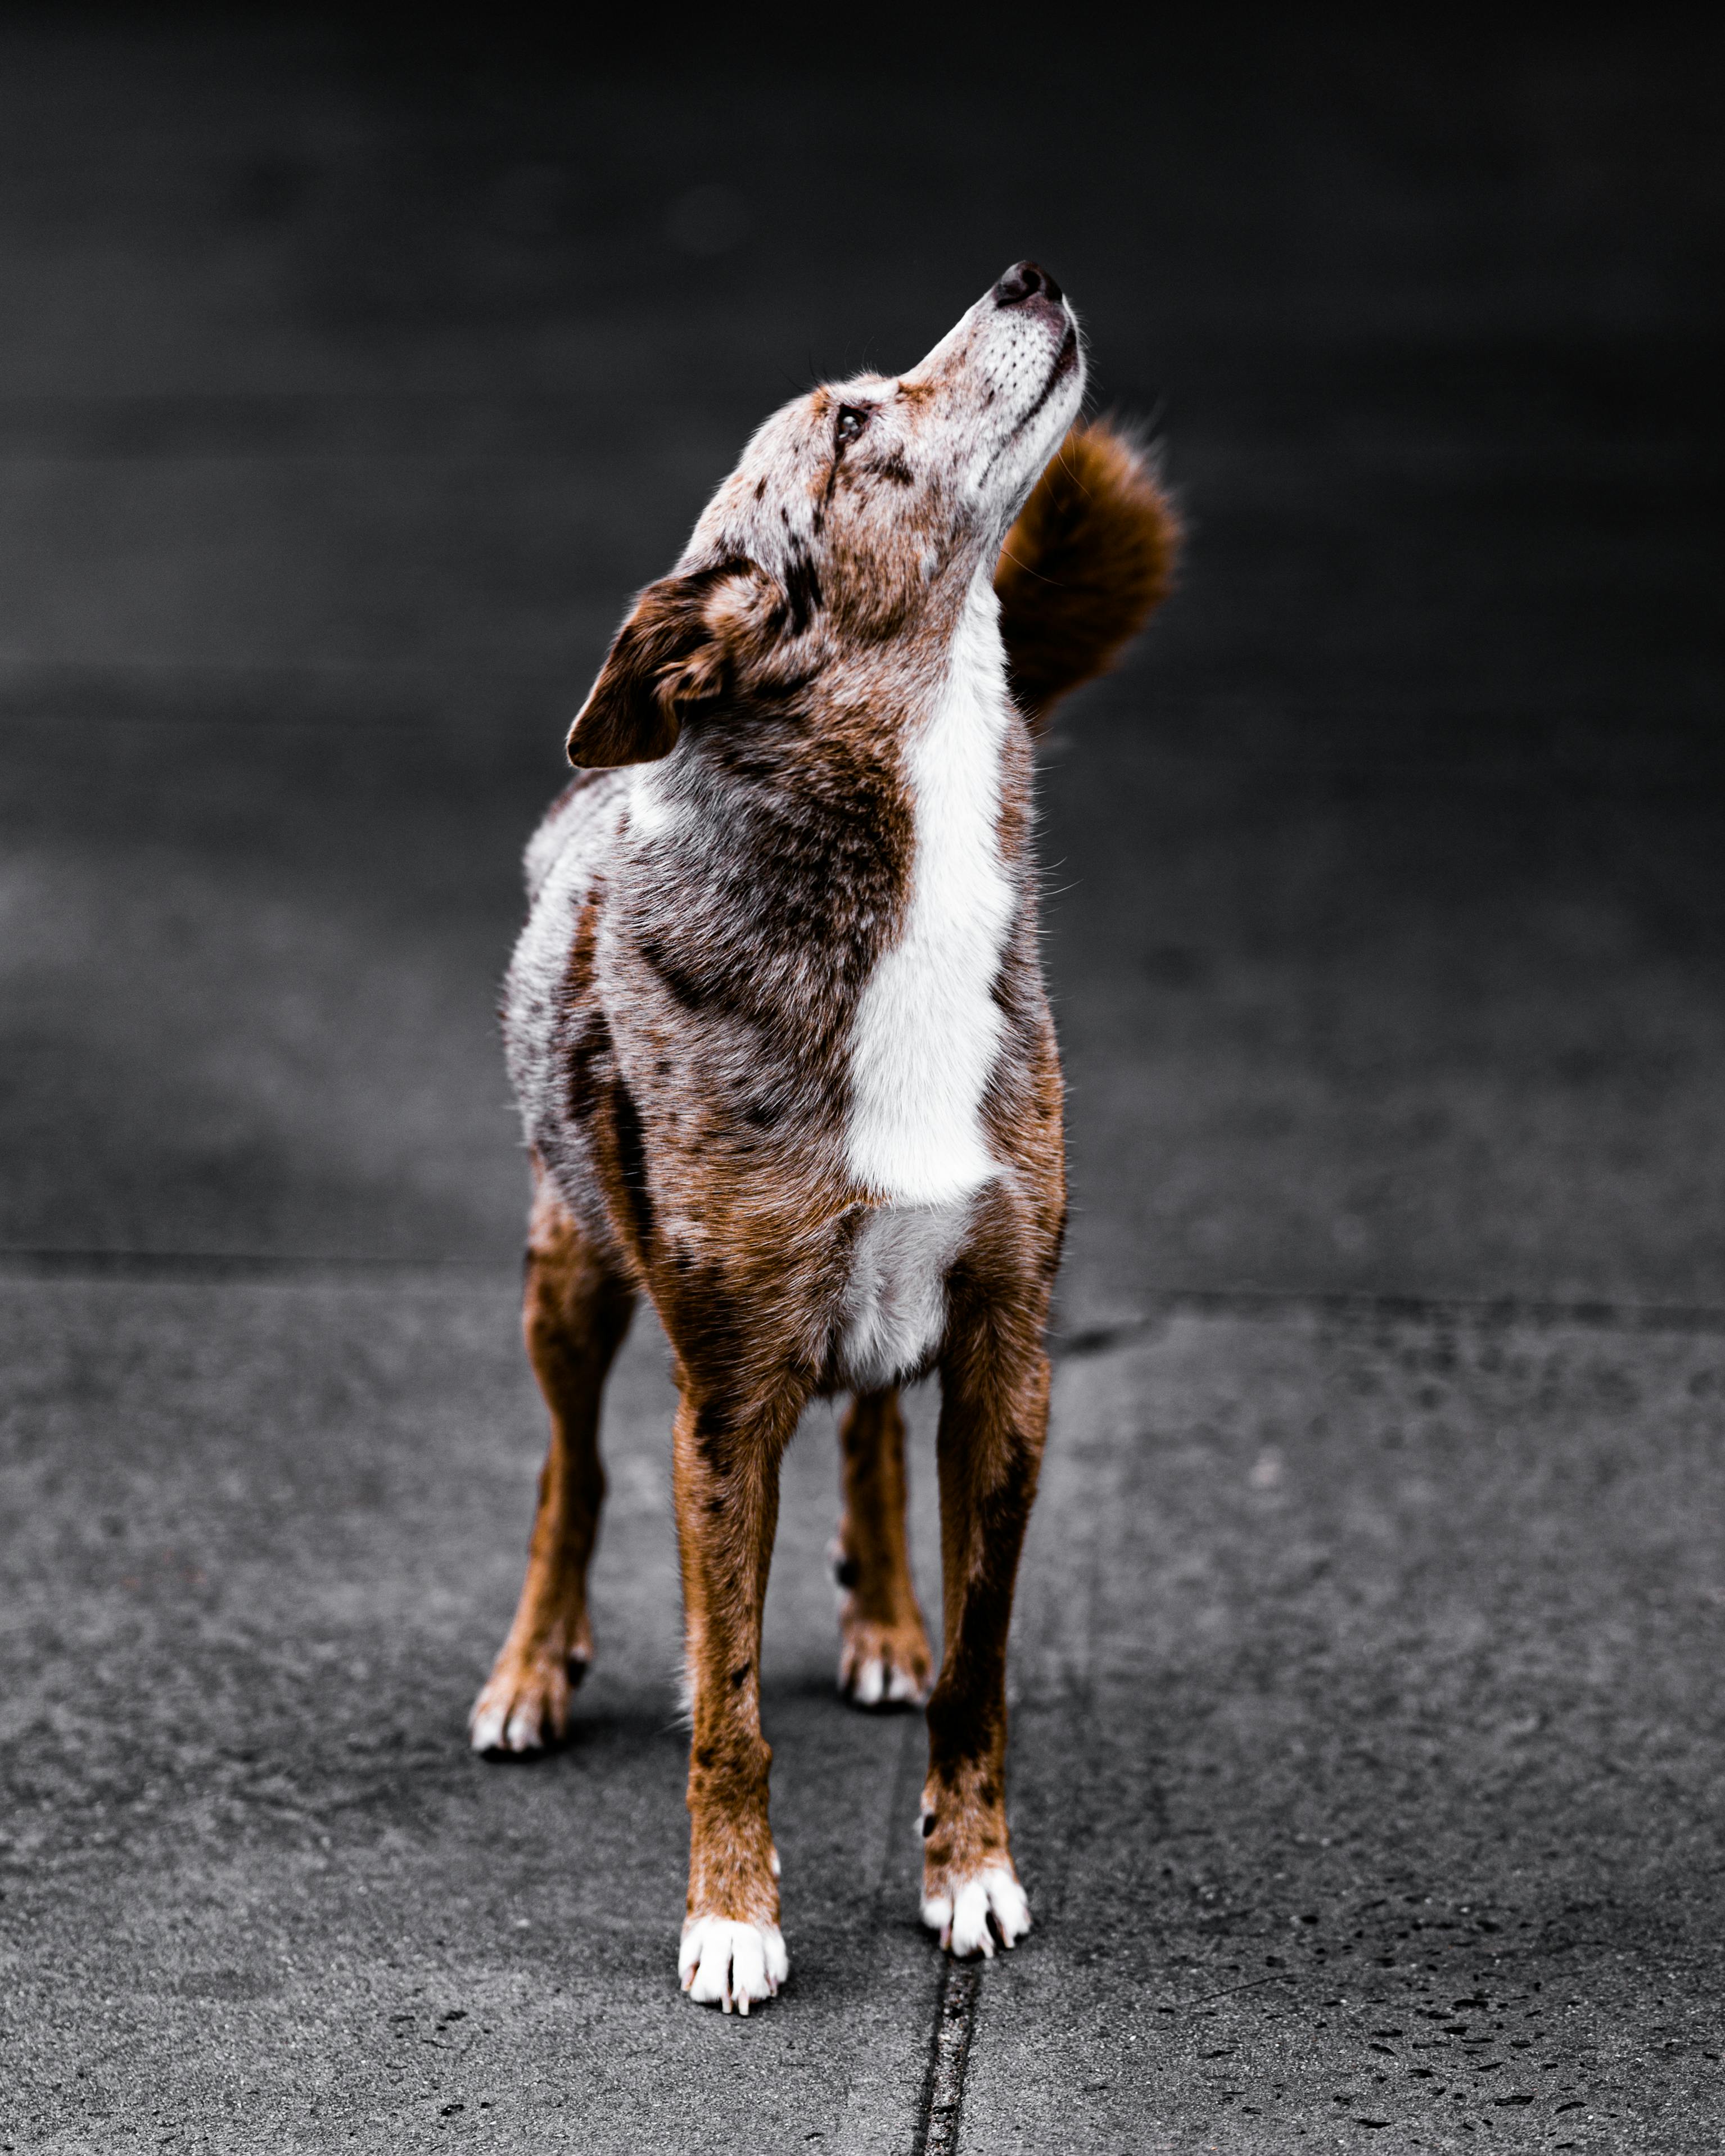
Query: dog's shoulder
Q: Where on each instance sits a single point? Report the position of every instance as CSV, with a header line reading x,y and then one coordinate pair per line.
x,y
582,820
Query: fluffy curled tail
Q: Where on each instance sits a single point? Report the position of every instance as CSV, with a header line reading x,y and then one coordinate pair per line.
x,y
1088,561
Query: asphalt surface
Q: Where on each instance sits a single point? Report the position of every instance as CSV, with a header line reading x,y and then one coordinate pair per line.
x,y
1368,1740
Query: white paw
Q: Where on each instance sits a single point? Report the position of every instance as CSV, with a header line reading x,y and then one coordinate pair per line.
x,y
727,1964
962,1920
877,1682
523,1711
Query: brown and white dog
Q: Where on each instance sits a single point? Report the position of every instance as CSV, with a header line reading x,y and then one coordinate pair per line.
x,y
778,1027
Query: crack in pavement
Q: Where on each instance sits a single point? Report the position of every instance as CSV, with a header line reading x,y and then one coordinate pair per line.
x,y
949,2054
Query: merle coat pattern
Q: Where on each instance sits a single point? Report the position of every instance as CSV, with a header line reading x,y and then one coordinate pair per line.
x,y
777,1026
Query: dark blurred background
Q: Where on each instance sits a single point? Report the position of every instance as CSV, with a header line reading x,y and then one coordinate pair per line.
x,y
355,377
356,368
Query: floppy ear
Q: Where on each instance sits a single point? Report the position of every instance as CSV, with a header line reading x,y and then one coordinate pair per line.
x,y
671,654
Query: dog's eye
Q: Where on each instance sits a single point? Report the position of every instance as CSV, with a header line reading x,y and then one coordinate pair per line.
x,y
851,423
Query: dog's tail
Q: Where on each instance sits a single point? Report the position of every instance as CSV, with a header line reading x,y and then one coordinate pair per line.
x,y
1088,561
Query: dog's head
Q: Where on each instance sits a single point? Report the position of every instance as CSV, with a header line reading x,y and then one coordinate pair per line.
x,y
860,517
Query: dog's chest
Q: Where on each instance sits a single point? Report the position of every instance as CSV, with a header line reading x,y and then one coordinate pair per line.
x,y
927,1031
927,1027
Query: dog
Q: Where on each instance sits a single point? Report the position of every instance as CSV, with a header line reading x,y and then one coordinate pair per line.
x,y
778,1028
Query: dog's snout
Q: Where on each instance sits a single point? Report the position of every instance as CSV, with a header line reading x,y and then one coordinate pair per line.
x,y
1024,281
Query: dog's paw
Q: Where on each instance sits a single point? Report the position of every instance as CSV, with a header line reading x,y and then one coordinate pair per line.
x,y
987,1906
885,1664
524,1703
733,1965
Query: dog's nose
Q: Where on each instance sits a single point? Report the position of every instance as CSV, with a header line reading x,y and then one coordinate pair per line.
x,y
1023,281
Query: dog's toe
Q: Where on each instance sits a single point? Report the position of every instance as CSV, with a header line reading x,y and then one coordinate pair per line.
x,y
875,1681
988,1905
488,1725
733,1965
904,1688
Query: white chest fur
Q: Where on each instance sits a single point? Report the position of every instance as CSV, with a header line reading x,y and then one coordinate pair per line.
x,y
928,1028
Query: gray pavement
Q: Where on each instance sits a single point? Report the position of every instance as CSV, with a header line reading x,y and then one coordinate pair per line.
x,y
1369,1742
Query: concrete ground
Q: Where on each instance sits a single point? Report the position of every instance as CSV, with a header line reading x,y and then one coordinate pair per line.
x,y
1368,1741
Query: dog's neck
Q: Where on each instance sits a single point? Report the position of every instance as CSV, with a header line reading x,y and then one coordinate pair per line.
x,y
926,714
846,880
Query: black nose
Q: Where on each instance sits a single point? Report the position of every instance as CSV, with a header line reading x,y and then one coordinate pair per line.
x,y
1023,281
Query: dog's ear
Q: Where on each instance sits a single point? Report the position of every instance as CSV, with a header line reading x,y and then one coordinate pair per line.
x,y
673,653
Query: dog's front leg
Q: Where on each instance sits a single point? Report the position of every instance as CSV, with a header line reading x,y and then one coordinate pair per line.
x,y
994,1419
726,1481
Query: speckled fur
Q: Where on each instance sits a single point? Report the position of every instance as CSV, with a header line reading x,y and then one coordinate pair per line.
x,y
777,1026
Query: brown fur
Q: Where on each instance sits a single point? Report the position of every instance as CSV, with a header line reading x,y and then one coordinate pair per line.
x,y
1090,559
574,1314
